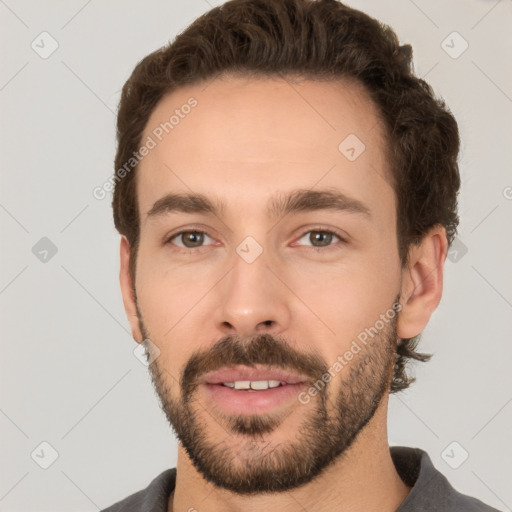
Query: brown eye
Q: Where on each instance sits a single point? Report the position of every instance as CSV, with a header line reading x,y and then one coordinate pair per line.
x,y
320,238
189,239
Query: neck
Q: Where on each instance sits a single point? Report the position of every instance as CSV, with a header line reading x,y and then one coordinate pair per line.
x,y
364,478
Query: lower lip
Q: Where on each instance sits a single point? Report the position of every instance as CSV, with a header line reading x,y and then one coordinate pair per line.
x,y
252,402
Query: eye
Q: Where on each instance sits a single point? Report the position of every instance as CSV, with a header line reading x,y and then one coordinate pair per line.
x,y
320,238
189,239
194,239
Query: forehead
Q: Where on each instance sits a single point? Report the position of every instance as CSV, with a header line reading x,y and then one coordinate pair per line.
x,y
238,137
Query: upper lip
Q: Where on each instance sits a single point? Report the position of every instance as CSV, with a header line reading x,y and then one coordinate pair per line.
x,y
247,373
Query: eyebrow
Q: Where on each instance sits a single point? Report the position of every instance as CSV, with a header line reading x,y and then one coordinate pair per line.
x,y
296,201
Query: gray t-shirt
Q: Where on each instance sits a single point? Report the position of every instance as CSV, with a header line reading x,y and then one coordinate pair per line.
x,y
430,491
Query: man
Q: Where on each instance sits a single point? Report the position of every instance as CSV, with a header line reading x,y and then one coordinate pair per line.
x,y
286,191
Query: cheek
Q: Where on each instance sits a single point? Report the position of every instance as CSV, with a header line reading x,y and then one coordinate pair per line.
x,y
173,302
348,299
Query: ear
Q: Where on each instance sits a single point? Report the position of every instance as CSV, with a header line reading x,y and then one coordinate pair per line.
x,y
127,287
422,282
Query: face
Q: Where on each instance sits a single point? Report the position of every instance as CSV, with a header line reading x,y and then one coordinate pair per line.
x,y
268,257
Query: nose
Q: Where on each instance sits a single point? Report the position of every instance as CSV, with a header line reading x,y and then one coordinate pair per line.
x,y
252,299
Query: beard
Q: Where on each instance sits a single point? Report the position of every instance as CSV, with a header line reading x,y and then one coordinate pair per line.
x,y
244,459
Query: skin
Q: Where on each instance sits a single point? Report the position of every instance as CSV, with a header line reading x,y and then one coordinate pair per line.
x,y
244,141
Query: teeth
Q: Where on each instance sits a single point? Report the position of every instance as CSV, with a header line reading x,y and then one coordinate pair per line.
x,y
255,384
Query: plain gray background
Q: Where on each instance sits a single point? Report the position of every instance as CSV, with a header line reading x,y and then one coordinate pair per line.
x,y
68,373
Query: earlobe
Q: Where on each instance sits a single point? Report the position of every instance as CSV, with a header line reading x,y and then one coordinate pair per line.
x,y
422,282
127,290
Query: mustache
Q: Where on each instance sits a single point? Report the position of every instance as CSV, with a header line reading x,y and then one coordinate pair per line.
x,y
263,349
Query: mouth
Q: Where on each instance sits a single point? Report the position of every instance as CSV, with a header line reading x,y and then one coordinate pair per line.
x,y
255,385
245,390
244,377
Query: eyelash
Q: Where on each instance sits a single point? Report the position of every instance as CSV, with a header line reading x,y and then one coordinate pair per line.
x,y
190,250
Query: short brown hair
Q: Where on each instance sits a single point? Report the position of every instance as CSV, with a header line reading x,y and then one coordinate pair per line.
x,y
315,39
